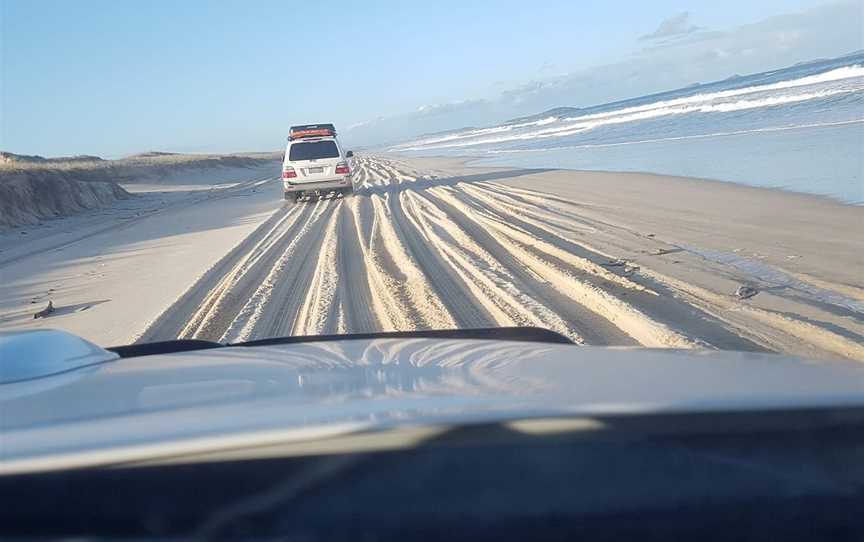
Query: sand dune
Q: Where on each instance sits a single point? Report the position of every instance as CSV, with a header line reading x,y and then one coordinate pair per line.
x,y
34,189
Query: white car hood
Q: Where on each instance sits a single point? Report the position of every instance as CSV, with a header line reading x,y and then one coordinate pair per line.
x,y
152,406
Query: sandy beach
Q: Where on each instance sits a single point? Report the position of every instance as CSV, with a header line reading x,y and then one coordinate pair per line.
x,y
621,259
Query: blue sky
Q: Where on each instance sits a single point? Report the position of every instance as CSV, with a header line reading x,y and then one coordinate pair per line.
x,y
118,77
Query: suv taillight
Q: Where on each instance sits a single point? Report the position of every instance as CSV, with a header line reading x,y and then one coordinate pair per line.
x,y
289,173
341,168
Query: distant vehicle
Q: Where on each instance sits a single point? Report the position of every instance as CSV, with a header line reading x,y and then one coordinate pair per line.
x,y
315,163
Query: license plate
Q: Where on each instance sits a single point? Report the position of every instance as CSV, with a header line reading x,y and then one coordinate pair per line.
x,y
316,170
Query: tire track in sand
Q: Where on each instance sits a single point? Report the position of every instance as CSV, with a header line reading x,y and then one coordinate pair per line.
x,y
226,286
353,295
409,252
466,310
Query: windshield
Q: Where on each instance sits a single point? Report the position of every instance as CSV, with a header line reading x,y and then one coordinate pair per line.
x,y
313,151
679,175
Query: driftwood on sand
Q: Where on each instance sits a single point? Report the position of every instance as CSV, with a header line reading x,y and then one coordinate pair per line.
x,y
45,312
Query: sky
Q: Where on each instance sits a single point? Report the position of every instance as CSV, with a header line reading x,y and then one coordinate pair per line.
x,y
114,78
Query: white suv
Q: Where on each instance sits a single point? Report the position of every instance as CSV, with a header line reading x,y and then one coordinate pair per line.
x,y
315,163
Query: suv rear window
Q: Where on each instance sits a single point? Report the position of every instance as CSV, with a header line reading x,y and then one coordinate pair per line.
x,y
313,150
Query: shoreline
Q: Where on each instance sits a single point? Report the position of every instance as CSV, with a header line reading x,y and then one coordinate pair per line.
x,y
819,159
478,163
778,189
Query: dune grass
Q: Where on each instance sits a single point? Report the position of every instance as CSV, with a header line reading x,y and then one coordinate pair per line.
x,y
139,162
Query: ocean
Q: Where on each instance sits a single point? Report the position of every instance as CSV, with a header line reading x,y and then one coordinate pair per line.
x,y
799,128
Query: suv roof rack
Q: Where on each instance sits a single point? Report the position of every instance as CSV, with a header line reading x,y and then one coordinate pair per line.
x,y
311,130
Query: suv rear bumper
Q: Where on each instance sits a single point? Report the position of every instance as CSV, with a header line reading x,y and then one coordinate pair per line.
x,y
326,184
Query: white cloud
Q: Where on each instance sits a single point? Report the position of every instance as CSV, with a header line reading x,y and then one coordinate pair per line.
x,y
451,107
673,27
364,123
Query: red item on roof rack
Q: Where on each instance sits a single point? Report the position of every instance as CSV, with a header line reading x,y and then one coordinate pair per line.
x,y
311,130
